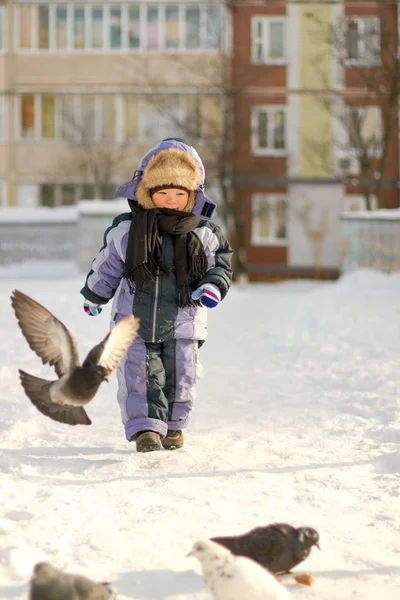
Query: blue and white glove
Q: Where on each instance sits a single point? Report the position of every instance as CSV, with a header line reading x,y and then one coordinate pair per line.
x,y
91,308
208,294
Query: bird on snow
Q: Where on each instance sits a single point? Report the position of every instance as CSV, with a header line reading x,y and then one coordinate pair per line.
x,y
278,547
62,400
49,583
231,577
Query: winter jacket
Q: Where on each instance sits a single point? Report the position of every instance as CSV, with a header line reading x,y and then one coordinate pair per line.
x,y
156,306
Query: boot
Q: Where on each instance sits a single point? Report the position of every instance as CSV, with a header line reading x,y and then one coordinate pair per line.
x,y
147,441
173,440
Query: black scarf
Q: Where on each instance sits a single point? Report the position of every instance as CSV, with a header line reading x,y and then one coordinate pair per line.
x,y
143,260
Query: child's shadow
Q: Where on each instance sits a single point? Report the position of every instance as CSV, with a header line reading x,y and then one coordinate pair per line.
x,y
158,584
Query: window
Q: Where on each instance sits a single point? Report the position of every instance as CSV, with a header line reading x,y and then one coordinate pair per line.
x,y
95,118
97,28
3,28
118,26
47,195
268,40
363,41
152,21
48,117
108,117
3,119
115,27
61,27
213,29
172,27
68,194
25,26
79,28
364,130
211,117
131,117
27,117
3,193
133,26
44,27
269,220
268,130
160,119
192,26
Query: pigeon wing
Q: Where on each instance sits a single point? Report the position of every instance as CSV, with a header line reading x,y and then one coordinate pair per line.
x,y
45,334
38,392
87,589
112,349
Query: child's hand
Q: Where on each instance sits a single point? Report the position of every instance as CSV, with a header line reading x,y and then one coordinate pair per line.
x,y
92,309
208,294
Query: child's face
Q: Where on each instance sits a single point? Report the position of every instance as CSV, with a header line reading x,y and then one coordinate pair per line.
x,y
173,198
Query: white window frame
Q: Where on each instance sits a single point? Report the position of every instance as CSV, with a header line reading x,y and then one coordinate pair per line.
x,y
270,109
4,29
270,200
266,21
371,152
363,59
161,49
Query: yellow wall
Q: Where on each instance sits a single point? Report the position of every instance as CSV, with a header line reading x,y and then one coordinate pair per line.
x,y
315,117
49,72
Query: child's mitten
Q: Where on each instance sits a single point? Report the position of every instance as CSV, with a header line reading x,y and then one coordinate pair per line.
x,y
208,294
92,309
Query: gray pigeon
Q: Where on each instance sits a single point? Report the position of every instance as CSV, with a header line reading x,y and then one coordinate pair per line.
x,y
62,400
278,547
48,583
232,577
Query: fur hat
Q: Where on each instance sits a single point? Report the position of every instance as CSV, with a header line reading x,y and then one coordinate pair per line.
x,y
169,168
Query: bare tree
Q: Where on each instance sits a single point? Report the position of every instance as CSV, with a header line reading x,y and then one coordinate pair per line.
x,y
95,157
217,81
368,120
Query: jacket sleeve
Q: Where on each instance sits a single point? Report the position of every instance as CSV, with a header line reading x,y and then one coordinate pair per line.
x,y
107,268
219,256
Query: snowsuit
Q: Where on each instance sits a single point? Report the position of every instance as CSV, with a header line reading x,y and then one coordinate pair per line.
x,y
157,378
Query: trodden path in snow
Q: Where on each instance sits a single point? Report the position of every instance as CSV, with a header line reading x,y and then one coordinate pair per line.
x,y
296,420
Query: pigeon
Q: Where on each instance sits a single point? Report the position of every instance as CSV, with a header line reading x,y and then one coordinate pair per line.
x,y
62,400
278,547
231,577
49,583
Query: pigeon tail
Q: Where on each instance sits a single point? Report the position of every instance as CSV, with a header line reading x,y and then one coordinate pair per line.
x,y
38,392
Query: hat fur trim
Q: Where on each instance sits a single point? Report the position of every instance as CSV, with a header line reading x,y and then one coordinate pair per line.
x,y
169,167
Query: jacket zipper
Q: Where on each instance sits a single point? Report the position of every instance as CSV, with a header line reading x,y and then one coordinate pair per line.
x,y
153,333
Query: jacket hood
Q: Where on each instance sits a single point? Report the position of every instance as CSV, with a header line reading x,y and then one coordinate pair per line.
x,y
171,161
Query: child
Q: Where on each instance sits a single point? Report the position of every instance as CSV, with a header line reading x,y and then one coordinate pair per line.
x,y
166,262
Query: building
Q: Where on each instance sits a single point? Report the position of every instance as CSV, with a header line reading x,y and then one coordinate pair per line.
x,y
86,88
316,126
292,104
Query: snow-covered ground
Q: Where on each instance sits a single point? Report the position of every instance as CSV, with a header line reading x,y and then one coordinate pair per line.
x,y
297,420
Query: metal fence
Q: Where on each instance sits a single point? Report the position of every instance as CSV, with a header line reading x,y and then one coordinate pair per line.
x,y
371,240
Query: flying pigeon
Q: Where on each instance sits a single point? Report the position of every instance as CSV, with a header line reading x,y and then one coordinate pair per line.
x,y
231,577
278,547
62,400
49,583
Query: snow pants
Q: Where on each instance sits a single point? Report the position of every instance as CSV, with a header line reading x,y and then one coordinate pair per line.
x,y
157,385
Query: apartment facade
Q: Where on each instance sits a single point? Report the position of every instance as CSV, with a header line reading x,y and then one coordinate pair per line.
x,y
86,88
316,126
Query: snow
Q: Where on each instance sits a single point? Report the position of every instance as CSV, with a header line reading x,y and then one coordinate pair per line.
x,y
373,215
297,420
103,207
38,214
